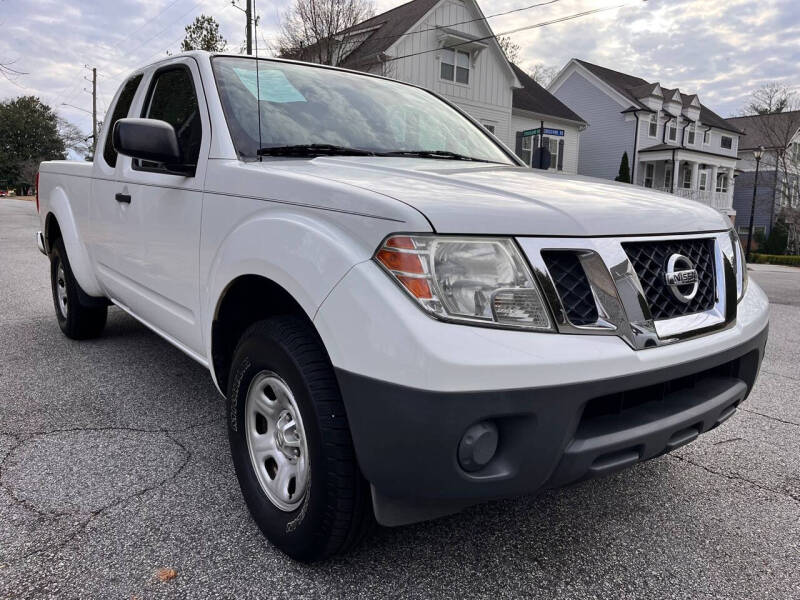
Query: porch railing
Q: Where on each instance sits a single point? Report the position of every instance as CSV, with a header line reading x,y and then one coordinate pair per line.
x,y
718,200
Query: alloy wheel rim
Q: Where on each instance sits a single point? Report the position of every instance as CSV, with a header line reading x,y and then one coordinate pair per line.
x,y
61,289
276,441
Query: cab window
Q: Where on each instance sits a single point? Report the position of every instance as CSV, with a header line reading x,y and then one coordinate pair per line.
x,y
120,112
172,98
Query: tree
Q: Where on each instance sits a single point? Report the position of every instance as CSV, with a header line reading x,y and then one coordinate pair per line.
x,y
317,30
29,134
777,239
203,34
769,99
776,125
74,139
624,170
509,48
542,74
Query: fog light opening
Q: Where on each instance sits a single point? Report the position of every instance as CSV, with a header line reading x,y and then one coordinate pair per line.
x,y
478,446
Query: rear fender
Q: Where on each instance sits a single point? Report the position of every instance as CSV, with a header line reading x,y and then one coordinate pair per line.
x,y
59,206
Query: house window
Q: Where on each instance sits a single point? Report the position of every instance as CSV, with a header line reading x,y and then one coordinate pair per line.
x,y
703,181
673,132
686,179
726,142
653,129
743,230
722,182
668,177
707,137
489,126
649,174
690,139
526,143
455,66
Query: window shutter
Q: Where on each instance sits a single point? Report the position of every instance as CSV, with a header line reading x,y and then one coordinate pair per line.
x,y
561,155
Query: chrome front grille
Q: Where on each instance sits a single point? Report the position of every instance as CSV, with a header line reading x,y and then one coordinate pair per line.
x,y
618,286
649,260
572,286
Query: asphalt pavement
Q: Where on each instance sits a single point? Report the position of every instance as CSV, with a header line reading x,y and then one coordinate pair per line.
x,y
114,463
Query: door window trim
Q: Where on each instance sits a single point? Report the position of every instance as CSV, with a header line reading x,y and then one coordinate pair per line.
x,y
135,163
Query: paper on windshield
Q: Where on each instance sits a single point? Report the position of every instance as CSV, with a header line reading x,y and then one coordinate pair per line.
x,y
270,86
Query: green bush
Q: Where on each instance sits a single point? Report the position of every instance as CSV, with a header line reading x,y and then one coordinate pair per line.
x,y
777,240
776,259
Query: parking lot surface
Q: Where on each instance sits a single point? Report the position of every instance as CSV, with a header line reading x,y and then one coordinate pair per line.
x,y
114,463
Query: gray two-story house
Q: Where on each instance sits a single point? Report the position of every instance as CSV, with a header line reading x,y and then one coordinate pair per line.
x,y
674,142
778,192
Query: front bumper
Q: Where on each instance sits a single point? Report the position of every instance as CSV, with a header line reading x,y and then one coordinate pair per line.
x,y
406,439
412,386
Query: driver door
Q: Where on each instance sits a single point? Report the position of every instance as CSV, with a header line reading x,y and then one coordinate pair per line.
x,y
164,209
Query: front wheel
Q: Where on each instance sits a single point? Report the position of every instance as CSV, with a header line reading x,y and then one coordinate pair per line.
x,y
291,444
77,321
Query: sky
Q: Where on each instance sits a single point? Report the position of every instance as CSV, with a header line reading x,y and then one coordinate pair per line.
x,y
719,49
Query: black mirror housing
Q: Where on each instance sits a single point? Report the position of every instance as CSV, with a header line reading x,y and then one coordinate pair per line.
x,y
147,139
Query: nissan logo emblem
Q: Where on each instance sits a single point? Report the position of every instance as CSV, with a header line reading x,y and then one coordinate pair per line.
x,y
681,274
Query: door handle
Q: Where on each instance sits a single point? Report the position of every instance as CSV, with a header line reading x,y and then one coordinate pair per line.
x,y
126,198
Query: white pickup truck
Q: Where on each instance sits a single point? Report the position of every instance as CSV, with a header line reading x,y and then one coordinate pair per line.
x,y
403,318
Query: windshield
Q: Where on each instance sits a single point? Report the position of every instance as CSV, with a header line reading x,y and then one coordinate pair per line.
x,y
305,105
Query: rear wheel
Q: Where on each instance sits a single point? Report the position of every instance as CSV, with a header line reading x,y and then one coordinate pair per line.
x,y
291,443
76,320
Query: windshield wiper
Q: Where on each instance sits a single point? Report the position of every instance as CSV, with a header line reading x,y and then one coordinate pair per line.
x,y
312,150
433,154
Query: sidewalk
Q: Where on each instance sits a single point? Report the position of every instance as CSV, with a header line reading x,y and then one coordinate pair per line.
x,y
772,268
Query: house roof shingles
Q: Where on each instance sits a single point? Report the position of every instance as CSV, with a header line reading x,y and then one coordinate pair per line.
x,y
391,25
771,131
534,98
625,84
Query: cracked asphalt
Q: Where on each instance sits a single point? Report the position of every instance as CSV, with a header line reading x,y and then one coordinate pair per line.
x,y
114,463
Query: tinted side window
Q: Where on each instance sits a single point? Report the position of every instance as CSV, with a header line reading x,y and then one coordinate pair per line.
x,y
172,99
120,112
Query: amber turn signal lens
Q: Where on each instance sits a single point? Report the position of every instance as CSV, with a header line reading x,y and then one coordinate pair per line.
x,y
401,261
400,241
418,287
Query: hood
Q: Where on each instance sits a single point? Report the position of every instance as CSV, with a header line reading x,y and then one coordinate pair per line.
x,y
482,198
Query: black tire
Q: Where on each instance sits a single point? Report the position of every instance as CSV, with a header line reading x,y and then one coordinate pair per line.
x,y
336,511
76,320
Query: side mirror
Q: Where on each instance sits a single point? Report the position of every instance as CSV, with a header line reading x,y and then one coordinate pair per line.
x,y
151,140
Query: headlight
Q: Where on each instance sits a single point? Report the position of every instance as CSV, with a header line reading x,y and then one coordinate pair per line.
x,y
740,266
481,281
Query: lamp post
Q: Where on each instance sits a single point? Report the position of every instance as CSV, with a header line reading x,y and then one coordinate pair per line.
x,y
757,154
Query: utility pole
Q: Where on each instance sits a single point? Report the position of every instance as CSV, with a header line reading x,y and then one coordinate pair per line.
x,y
249,16
94,110
248,13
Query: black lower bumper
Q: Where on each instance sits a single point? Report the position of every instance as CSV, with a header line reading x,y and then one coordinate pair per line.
x,y
406,439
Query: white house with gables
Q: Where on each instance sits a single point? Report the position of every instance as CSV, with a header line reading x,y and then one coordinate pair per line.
x,y
674,142
448,47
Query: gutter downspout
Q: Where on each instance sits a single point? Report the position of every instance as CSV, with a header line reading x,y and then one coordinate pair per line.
x,y
635,148
674,172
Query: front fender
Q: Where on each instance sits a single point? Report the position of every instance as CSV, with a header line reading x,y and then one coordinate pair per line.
x,y
59,206
307,255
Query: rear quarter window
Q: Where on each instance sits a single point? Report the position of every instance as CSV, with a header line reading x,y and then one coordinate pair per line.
x,y
121,110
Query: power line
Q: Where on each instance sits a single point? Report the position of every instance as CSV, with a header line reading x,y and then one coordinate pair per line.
x,y
123,70
484,18
496,35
